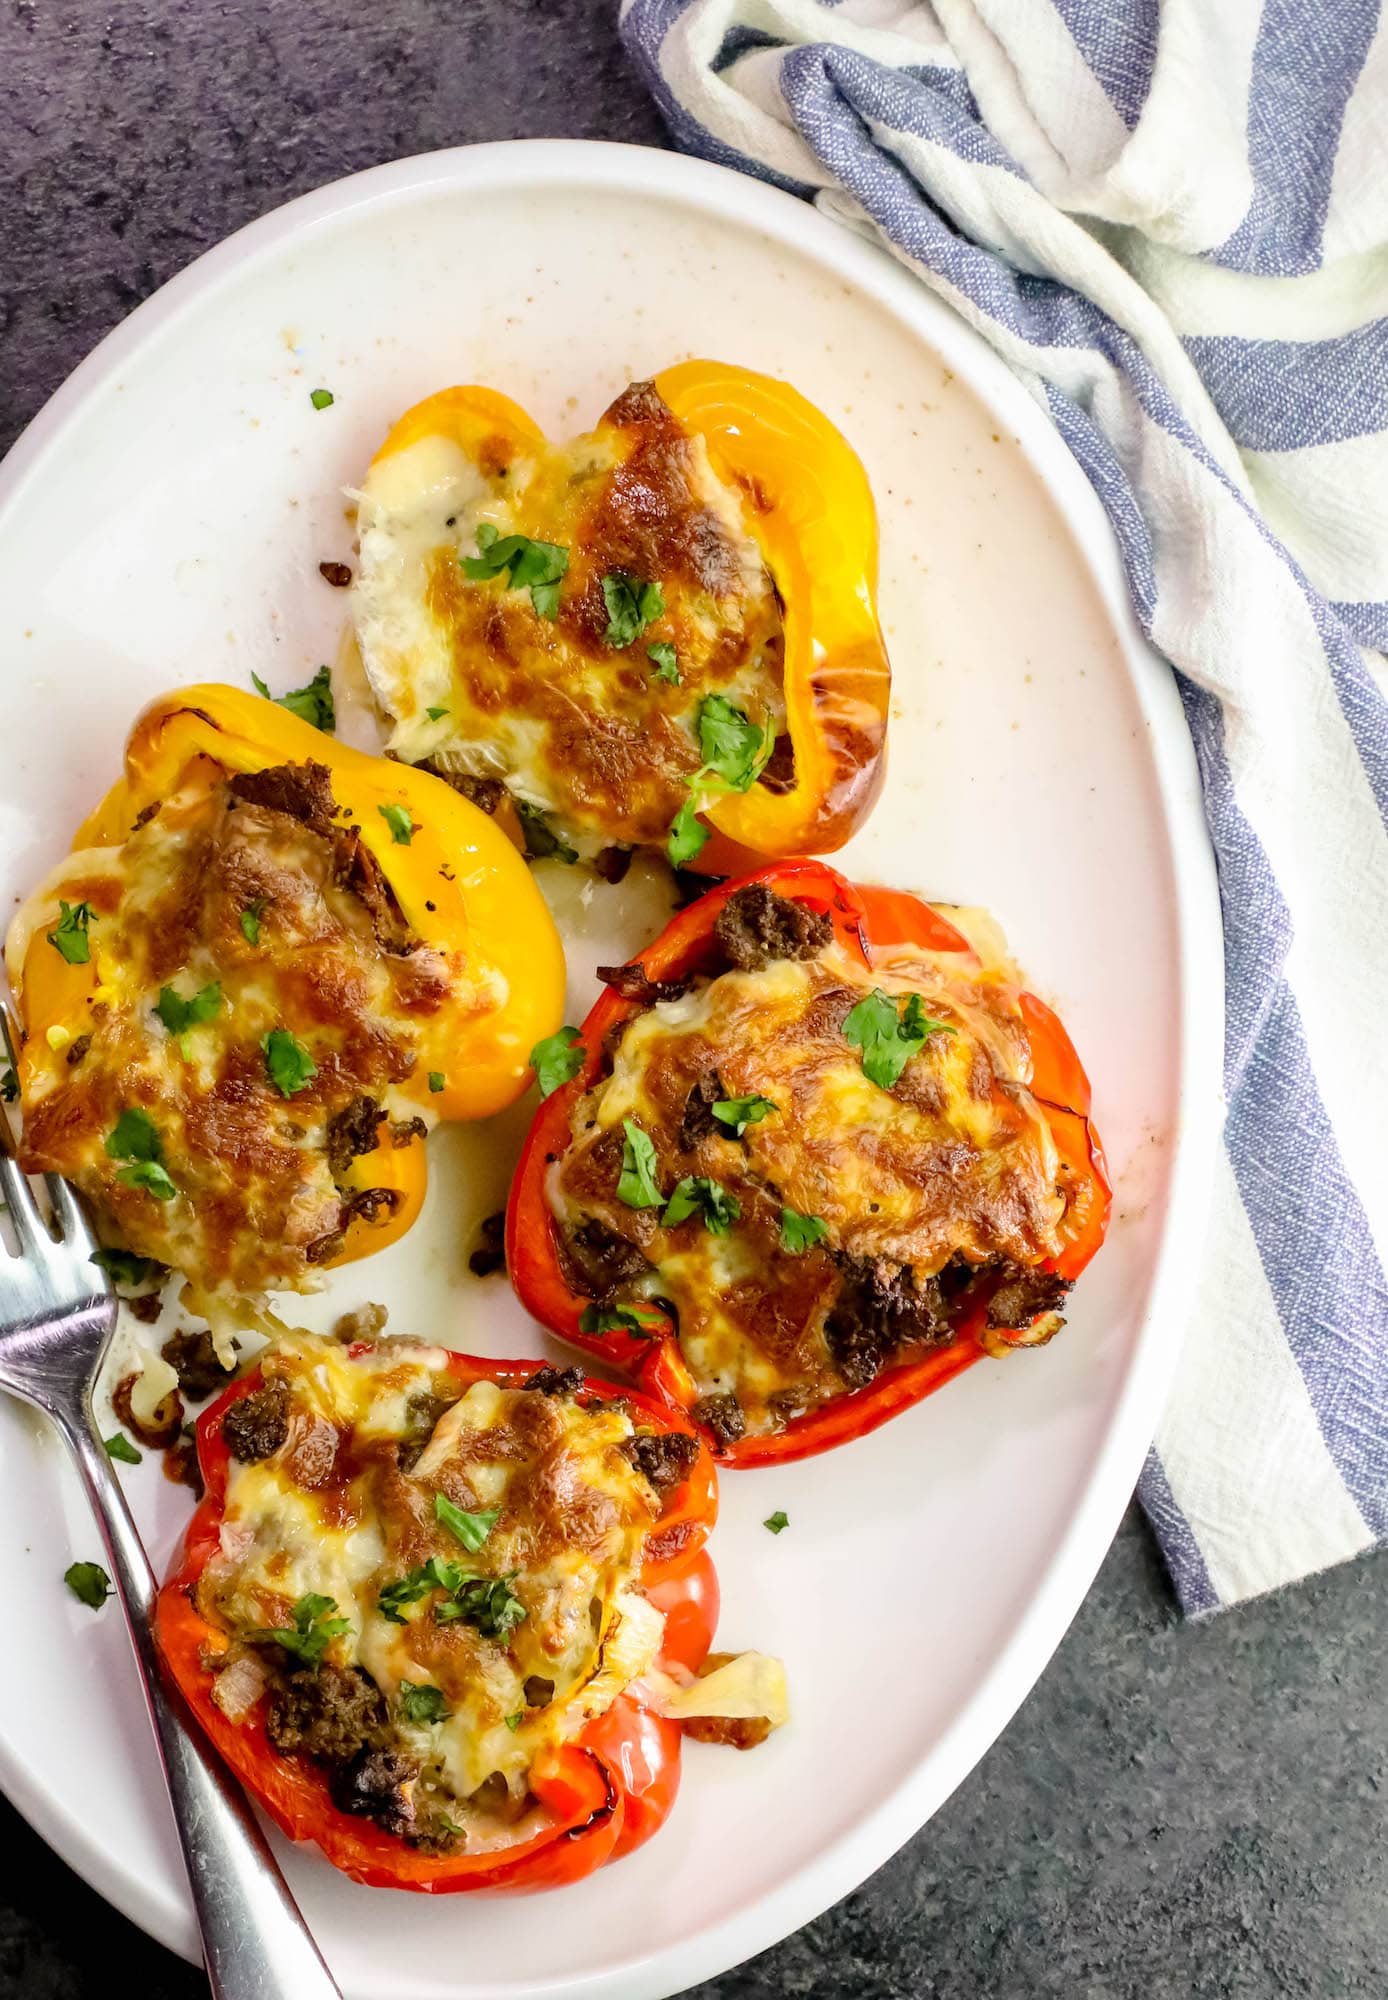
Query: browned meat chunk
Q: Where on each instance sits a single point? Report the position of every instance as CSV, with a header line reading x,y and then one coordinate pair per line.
x,y
490,1253
378,1784
356,868
327,1713
633,983
257,1425
755,926
404,1131
1024,1295
723,1416
193,1359
600,1260
484,793
882,1307
304,791
549,1381
665,1457
698,1121
351,1132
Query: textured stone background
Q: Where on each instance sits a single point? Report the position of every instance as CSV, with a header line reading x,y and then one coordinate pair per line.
x,y
1177,1812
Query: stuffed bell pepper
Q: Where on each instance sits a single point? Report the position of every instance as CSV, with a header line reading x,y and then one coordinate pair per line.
x,y
814,1151
662,634
443,1617
268,967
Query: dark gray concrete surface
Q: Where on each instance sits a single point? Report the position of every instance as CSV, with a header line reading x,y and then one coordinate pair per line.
x,y
1177,1810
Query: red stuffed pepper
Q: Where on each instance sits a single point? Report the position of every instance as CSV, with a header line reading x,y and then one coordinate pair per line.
x,y
815,1151
425,1601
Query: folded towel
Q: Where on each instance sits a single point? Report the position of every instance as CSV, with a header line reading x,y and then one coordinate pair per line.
x,y
1172,228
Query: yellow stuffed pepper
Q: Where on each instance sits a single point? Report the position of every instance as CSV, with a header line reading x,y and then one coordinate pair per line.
x,y
270,964
663,634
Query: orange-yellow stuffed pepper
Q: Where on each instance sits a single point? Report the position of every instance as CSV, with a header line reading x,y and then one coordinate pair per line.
x,y
269,965
662,634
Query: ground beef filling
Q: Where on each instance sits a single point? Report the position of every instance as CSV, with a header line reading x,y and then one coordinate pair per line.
x,y
257,1425
869,1310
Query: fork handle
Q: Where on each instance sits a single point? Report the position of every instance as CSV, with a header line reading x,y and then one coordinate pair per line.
x,y
256,1945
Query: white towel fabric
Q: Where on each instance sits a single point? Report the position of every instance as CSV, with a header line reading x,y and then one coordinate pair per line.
x,y
1172,225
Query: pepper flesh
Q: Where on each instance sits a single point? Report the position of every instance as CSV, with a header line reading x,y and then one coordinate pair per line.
x,y
810,511
869,922
204,733
605,1793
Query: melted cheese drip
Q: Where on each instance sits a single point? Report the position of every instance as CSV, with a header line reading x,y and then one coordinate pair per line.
x,y
575,728
588,1630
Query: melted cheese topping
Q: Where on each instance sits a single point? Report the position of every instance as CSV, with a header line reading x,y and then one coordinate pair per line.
x,y
574,727
953,1167
342,1510
256,1201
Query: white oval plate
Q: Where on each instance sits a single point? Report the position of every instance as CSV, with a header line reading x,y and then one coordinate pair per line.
x,y
162,521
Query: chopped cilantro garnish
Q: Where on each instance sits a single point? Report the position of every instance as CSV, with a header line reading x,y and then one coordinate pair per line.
x,y
780,1519
663,658
420,1702
513,1722
250,920
149,1175
489,1603
178,1014
556,1059
637,1183
533,566
397,818
70,939
687,835
471,1529
436,714
541,840
888,1037
801,1232
437,1081
124,1267
739,1112
134,1138
643,1322
313,1629
288,1063
632,604
436,1574
733,747
311,703
88,1583
119,1446
695,1195
321,399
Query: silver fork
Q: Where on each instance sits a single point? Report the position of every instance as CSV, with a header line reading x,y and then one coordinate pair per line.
x,y
57,1314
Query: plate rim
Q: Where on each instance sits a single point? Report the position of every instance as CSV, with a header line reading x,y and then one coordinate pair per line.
x,y
725,194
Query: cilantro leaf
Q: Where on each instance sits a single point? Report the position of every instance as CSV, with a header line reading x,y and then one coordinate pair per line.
x,y
541,840
801,1232
436,1574
313,1629
134,1136
695,1195
687,835
397,818
471,1529
665,661
88,1583
780,1519
70,939
149,1175
637,1183
421,1702
250,920
178,1014
632,604
642,1321
513,1722
557,1059
311,703
888,1037
120,1447
123,1267
734,748
436,714
740,1112
489,1603
288,1063
437,1081
533,566
321,399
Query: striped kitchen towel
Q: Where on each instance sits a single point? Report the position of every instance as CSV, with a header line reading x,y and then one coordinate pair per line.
x,y
1172,225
